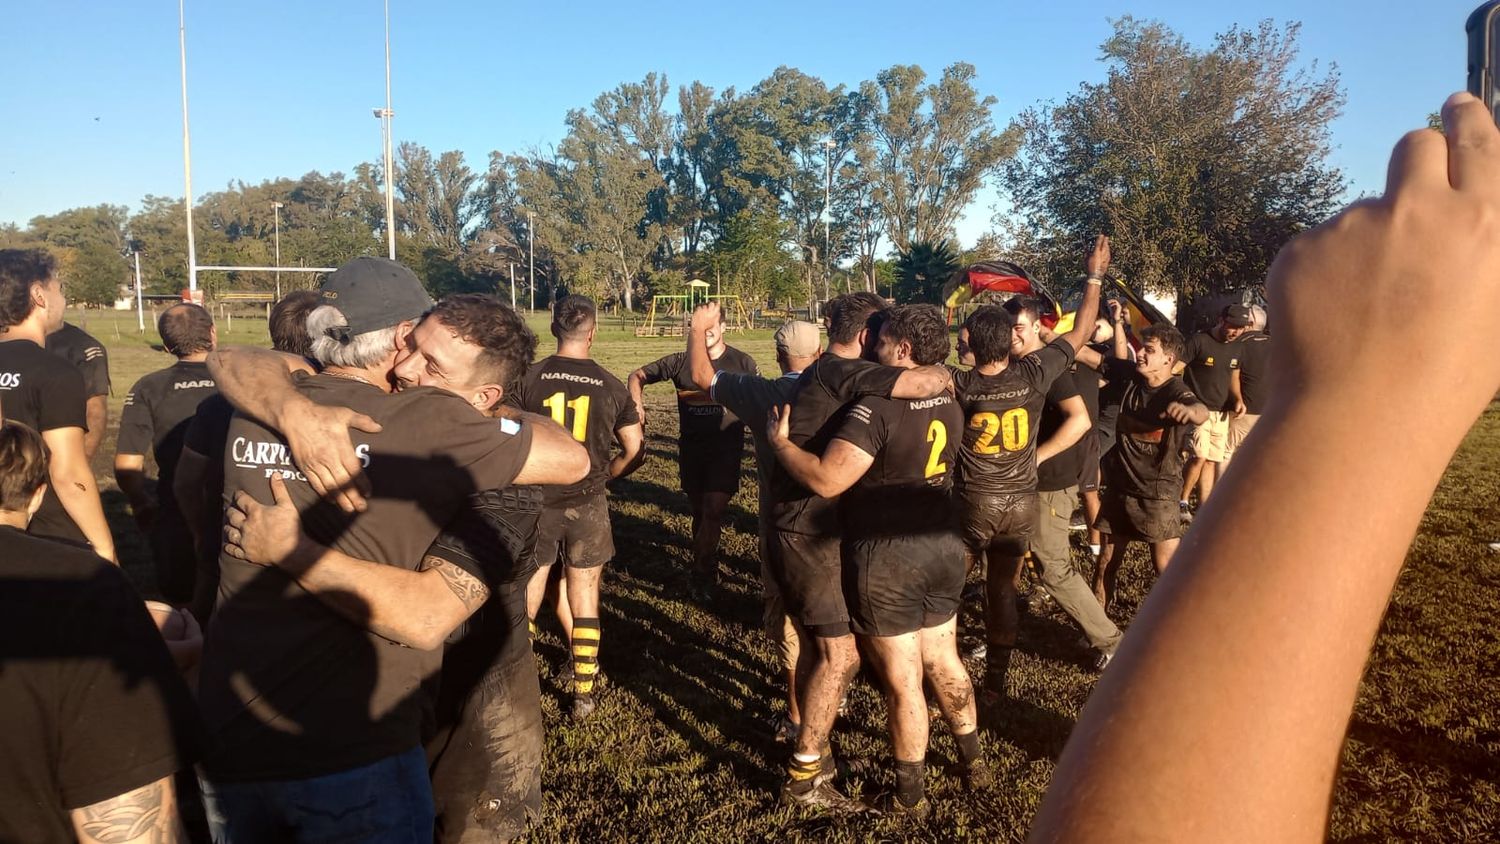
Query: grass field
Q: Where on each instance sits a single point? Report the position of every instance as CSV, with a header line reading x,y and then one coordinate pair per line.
x,y
681,747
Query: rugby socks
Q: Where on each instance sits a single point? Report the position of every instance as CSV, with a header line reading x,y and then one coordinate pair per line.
x,y
585,655
531,628
1095,549
996,666
910,777
802,770
968,748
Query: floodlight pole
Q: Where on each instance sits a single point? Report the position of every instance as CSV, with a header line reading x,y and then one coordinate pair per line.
x,y
512,285
140,312
276,224
386,115
828,146
187,152
531,253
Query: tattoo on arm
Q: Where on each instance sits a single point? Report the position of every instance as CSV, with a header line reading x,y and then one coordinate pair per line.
x,y
464,586
147,814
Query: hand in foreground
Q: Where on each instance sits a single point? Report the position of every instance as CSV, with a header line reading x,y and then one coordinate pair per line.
x,y
706,316
1097,263
779,424
318,436
261,534
181,632
1178,412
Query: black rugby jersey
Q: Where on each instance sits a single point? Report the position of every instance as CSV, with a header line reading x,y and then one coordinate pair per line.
x,y
908,489
157,413
590,403
1003,420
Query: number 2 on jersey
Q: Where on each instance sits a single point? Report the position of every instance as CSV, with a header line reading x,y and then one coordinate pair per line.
x,y
937,434
1013,427
558,404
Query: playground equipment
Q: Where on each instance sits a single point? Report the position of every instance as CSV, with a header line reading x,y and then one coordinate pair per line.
x,y
669,311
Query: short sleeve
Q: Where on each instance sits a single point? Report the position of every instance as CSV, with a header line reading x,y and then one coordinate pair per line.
x,y
1044,365
627,414
663,369
747,396
865,426
1062,389
854,379
491,537
126,718
493,451
62,405
136,428
93,362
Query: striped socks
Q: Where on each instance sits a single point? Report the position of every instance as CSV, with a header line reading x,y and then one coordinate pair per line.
x,y
585,655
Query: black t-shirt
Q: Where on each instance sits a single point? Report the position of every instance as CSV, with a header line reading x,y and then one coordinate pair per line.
x,y
1063,469
1255,366
157,412
584,398
1004,417
704,424
1146,461
86,354
291,688
91,703
751,397
818,404
1208,366
908,490
46,392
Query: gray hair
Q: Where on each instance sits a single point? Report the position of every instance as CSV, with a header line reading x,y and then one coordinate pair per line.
x,y
362,350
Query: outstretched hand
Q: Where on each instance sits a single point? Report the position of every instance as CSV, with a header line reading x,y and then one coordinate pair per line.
x,y
263,534
318,436
1097,263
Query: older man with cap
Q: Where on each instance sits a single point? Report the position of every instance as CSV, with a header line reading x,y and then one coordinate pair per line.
x,y
1211,358
318,721
751,397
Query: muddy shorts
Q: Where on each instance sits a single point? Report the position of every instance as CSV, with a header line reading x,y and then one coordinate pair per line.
x,y
576,531
901,584
1126,518
998,523
807,570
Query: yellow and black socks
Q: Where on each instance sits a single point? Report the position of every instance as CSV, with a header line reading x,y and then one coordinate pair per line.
x,y
531,628
585,655
802,771
910,777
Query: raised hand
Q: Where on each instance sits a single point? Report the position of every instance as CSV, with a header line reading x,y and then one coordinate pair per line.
x,y
1097,263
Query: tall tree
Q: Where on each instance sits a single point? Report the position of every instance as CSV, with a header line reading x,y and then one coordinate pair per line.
x,y
922,269
1200,164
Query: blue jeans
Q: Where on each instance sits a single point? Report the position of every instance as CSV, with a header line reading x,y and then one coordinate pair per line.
x,y
385,802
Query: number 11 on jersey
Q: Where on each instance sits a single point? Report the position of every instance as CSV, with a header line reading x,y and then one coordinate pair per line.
x,y
558,404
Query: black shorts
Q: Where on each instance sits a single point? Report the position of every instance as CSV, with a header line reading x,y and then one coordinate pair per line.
x,y
808,570
703,470
999,523
1088,459
577,532
901,584
1125,518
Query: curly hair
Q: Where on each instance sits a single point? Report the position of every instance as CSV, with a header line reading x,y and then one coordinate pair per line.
x,y
1169,337
850,313
989,333
506,345
572,317
19,269
923,327
289,322
23,465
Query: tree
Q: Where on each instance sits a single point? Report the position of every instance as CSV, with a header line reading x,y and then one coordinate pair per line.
x,y
922,269
1200,164
934,147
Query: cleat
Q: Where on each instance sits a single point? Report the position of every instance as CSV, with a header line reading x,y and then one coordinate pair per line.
x,y
1078,523
583,707
822,796
785,730
979,651
889,805
1103,660
1187,512
975,776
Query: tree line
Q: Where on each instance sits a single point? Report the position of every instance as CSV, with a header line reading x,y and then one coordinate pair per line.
x,y
1199,161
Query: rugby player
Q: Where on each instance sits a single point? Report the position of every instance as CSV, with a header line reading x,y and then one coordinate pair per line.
x,y
1143,470
583,397
1002,399
804,551
158,410
46,393
1249,381
89,356
276,653
753,397
1211,358
711,444
892,462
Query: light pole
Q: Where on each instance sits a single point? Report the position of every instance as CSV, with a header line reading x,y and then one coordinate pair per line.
x,y
385,116
812,312
140,312
531,253
276,226
828,146
187,153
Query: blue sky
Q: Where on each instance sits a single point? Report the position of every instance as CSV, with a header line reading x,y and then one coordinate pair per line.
x,y
281,87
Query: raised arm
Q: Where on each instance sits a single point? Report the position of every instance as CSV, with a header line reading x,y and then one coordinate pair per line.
x,y
1097,264
415,608
1075,424
699,364
73,482
1225,710
840,467
258,382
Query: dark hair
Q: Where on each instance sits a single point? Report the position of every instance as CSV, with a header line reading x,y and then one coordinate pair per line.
x,y
989,333
850,313
1028,305
23,465
923,327
186,329
289,322
1170,339
506,345
572,317
19,269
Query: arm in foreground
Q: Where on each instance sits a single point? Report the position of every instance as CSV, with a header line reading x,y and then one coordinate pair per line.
x,y
840,467
414,608
146,815
1227,706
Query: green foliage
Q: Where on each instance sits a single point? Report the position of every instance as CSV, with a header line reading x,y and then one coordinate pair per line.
x,y
922,269
1200,164
97,276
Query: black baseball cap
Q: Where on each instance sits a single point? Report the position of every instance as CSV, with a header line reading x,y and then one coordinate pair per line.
x,y
1237,316
373,294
